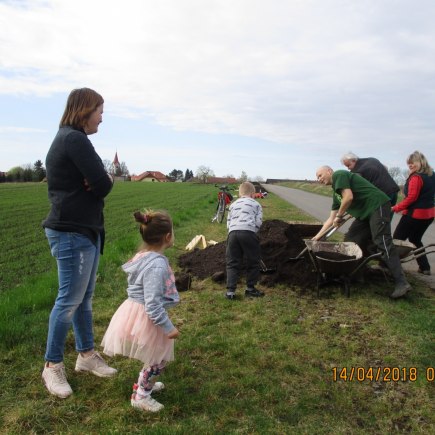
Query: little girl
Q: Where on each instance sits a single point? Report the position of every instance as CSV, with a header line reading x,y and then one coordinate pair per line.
x,y
141,328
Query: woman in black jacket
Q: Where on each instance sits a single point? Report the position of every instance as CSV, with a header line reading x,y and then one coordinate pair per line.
x,y
77,185
418,206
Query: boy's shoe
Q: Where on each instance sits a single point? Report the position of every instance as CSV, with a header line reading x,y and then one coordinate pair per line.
x,y
54,378
253,293
146,403
424,272
400,290
94,364
230,294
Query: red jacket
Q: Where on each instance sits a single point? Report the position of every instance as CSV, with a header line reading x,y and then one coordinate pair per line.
x,y
414,187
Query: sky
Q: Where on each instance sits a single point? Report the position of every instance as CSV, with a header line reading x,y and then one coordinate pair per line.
x,y
271,88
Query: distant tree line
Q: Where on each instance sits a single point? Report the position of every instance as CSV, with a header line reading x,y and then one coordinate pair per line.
x,y
24,173
178,175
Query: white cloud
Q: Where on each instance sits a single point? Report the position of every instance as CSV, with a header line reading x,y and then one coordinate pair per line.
x,y
11,129
325,73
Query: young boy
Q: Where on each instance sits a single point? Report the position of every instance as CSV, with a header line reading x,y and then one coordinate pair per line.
x,y
244,220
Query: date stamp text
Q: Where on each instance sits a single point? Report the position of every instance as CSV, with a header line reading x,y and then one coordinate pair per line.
x,y
382,374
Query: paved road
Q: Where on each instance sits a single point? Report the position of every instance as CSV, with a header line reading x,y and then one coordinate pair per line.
x,y
319,207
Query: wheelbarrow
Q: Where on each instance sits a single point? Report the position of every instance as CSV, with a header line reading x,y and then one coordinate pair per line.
x,y
336,262
325,234
408,251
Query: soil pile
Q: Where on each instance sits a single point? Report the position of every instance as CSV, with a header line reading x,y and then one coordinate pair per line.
x,y
279,242
335,256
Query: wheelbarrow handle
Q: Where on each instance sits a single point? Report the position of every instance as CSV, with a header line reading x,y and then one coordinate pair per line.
x,y
422,249
365,261
417,253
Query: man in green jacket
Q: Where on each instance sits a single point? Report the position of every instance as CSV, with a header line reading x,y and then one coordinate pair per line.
x,y
371,209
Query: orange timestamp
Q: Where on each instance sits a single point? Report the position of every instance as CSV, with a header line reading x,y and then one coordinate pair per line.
x,y
382,374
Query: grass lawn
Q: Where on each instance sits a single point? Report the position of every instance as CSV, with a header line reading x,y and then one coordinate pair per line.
x,y
273,365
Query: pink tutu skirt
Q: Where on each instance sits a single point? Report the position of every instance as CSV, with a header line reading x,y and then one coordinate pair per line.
x,y
132,333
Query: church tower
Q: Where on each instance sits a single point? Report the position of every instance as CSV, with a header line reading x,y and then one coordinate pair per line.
x,y
115,162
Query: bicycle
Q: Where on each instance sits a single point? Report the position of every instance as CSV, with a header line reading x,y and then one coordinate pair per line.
x,y
224,198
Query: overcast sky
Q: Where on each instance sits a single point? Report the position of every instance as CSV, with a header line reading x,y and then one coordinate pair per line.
x,y
274,88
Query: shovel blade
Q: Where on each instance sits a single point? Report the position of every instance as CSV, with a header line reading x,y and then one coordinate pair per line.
x,y
264,269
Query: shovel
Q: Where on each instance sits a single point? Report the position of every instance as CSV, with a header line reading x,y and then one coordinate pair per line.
x,y
328,232
264,269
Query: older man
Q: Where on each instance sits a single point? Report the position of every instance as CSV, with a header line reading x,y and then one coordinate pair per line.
x,y
374,171
371,209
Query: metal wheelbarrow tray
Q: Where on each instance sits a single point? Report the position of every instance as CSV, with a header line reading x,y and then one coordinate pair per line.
x,y
408,251
336,262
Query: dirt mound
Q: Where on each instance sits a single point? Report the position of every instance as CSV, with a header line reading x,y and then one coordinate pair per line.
x,y
279,242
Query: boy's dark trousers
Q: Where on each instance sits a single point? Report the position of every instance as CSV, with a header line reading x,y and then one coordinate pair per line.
x,y
242,244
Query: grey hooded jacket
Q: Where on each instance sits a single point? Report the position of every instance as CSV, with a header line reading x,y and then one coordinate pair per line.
x,y
151,282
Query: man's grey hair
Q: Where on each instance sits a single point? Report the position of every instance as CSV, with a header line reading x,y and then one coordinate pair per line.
x,y
324,168
348,156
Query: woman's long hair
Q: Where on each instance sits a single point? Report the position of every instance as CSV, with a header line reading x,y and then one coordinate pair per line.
x,y
80,105
418,157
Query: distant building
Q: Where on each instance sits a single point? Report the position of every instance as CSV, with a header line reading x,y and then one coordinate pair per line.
x,y
115,162
155,176
220,180
116,170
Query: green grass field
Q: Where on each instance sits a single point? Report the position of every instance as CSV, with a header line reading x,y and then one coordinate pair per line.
x,y
246,367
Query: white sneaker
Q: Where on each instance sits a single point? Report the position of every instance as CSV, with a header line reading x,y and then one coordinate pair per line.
x,y
54,378
146,403
94,364
158,386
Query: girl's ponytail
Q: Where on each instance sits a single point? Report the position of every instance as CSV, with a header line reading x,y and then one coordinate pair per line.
x,y
142,218
154,225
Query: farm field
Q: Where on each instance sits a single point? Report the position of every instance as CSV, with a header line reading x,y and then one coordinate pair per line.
x,y
281,364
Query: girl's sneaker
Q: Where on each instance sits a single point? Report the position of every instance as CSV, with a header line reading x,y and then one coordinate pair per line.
x,y
158,386
146,403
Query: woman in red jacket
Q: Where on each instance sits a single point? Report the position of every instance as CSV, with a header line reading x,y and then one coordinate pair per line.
x,y
418,205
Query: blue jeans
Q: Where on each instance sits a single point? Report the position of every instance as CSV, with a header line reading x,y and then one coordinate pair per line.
x,y
77,263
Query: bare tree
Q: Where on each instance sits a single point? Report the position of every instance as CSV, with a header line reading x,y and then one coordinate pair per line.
x,y
107,165
258,178
122,169
243,177
203,173
399,175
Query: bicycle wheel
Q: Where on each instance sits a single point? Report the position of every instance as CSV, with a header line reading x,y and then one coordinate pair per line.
x,y
221,209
